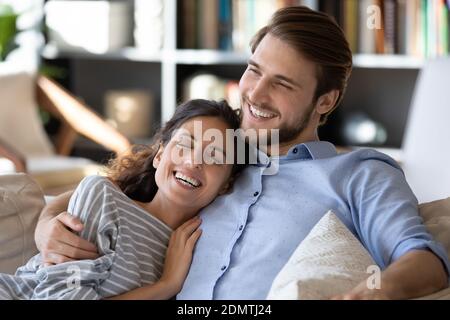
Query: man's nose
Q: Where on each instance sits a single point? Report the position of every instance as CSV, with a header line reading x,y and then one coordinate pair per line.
x,y
260,92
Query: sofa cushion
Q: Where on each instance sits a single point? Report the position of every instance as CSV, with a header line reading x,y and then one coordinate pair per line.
x,y
328,262
436,216
21,201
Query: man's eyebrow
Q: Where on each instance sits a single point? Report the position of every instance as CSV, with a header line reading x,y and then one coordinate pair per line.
x,y
278,76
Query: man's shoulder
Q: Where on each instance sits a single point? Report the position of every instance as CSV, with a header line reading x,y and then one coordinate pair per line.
x,y
368,158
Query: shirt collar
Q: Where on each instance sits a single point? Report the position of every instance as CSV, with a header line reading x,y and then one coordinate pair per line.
x,y
312,150
320,149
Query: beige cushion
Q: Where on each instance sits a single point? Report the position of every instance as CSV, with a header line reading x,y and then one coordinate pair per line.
x,y
21,201
329,261
436,216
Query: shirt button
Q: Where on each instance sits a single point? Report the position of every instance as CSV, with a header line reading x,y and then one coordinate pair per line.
x,y
256,194
295,150
241,227
223,268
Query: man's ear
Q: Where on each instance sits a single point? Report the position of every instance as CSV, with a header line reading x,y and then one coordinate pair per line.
x,y
158,155
327,101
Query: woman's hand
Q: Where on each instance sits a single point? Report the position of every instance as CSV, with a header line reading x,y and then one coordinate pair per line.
x,y
179,254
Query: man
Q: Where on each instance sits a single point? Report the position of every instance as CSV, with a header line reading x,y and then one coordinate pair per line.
x,y
296,76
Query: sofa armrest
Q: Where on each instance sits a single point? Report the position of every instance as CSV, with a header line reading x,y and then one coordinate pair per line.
x,y
9,152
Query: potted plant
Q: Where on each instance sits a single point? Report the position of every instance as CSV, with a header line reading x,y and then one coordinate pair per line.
x,y
8,30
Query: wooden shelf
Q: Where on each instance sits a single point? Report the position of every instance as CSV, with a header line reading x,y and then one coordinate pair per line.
x,y
384,61
216,57
130,53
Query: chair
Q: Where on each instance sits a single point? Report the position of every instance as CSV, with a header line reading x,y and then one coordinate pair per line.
x,y
23,139
426,147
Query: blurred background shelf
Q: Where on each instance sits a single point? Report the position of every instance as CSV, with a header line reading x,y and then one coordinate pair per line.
x,y
51,51
207,57
180,49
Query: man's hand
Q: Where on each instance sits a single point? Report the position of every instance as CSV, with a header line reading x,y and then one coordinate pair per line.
x,y
362,292
416,274
54,234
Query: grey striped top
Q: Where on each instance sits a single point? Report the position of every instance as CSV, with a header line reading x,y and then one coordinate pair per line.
x,y
132,244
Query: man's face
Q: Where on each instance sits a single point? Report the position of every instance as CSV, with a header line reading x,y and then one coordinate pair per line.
x,y
277,89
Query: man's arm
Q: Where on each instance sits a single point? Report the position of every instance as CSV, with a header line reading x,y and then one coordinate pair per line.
x,y
416,274
54,235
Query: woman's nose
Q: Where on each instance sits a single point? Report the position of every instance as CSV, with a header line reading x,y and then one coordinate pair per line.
x,y
194,159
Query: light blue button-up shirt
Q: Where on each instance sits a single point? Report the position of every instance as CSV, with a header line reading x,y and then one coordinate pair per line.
x,y
249,234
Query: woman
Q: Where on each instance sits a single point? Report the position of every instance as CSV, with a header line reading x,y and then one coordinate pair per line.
x,y
131,213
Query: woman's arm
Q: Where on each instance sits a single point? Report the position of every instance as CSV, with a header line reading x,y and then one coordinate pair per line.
x,y
176,266
54,235
157,291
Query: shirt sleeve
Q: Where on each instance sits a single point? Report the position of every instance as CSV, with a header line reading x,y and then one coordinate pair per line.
x,y
92,203
385,211
76,280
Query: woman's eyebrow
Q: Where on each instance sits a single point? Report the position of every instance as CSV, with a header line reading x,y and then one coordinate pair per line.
x,y
185,134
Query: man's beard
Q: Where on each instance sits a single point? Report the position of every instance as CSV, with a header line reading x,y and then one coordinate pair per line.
x,y
289,133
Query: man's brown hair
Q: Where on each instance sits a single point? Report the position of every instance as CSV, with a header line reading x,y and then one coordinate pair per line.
x,y
317,37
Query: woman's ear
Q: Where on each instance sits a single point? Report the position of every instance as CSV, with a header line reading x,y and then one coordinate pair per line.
x,y
327,101
158,155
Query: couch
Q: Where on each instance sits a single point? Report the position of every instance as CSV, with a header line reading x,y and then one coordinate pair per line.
x,y
21,201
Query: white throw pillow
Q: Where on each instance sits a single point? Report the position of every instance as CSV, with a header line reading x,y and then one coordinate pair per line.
x,y
329,261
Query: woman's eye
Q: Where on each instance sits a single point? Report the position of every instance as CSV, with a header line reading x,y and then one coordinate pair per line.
x,y
184,145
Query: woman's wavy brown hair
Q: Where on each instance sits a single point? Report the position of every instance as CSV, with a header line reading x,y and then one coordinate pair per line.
x,y
134,173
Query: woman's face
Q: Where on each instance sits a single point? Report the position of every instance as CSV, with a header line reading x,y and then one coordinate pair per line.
x,y
191,169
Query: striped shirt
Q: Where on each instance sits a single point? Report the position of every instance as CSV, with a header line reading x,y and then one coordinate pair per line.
x,y
132,244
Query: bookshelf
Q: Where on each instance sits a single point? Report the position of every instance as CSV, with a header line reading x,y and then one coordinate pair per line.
x,y
381,84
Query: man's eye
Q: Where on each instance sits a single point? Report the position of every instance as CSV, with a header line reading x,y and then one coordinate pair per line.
x,y
253,70
284,85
